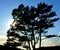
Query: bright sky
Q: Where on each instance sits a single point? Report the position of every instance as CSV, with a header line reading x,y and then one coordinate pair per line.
x,y
6,7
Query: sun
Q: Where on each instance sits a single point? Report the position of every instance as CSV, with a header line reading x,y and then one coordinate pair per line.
x,y
9,23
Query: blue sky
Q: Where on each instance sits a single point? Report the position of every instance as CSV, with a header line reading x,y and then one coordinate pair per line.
x,y
6,7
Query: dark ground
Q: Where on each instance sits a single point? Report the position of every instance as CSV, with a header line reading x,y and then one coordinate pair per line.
x,y
49,48
42,48
7,48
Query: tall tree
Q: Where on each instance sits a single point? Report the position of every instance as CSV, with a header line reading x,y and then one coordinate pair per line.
x,y
45,18
19,15
31,21
22,15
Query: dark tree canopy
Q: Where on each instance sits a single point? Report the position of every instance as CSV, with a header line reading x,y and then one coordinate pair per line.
x,y
31,21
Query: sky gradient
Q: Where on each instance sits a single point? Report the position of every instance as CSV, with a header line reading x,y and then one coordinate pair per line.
x,y
6,7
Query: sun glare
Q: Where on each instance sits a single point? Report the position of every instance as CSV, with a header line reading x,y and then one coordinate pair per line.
x,y
9,23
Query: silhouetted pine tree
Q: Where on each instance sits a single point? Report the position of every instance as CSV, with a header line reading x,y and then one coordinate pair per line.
x,y
36,19
31,21
24,16
19,15
45,18
13,39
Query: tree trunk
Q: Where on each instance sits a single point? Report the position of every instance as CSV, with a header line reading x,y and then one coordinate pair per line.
x,y
31,43
40,40
28,41
33,38
40,36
